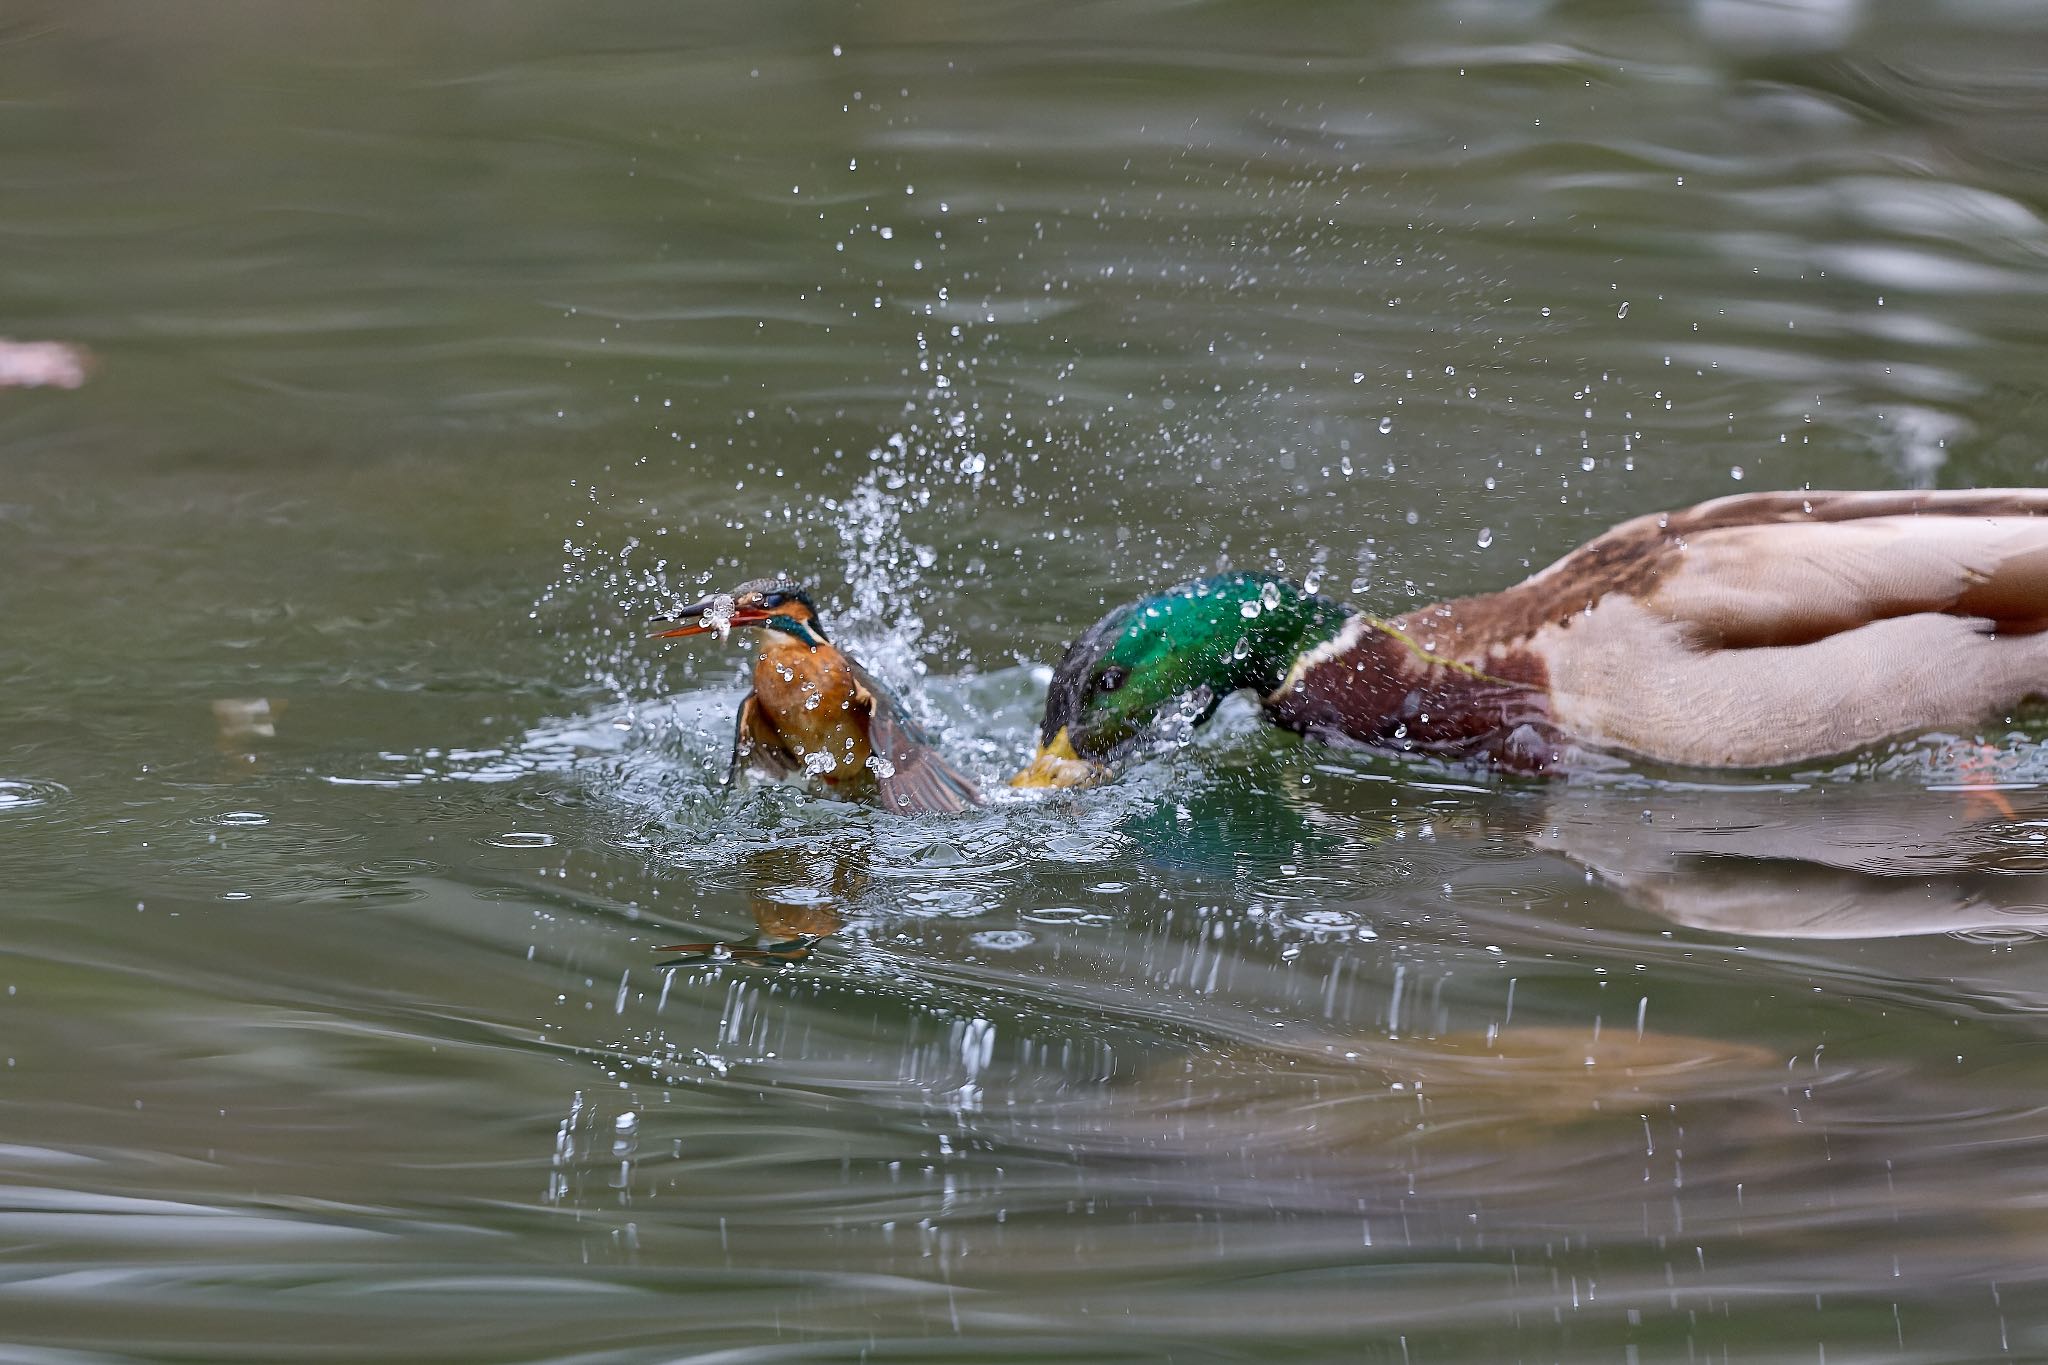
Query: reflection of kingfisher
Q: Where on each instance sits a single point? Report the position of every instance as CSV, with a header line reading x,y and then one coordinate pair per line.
x,y
815,711
801,894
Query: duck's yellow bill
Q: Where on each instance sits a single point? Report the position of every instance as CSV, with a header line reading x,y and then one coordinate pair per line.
x,y
1057,765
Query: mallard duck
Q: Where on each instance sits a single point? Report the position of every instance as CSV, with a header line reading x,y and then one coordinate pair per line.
x,y
1751,631
814,710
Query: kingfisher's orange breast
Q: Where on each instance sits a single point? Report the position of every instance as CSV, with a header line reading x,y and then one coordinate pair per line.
x,y
807,692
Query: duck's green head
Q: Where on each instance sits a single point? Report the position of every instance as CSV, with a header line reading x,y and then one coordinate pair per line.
x,y
1154,669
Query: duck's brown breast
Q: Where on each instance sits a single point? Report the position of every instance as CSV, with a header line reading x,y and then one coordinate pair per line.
x,y
1376,687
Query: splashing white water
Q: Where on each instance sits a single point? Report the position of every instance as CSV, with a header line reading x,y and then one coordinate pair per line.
x,y
718,615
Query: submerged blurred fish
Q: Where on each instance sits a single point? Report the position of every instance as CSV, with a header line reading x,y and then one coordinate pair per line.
x,y
815,711
239,719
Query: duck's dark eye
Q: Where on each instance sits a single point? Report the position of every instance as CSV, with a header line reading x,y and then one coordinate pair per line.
x,y
1111,679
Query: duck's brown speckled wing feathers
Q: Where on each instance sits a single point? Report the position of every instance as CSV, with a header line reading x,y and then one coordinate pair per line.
x,y
1778,627
1779,568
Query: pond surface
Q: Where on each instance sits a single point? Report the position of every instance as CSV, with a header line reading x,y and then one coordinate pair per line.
x,y
342,802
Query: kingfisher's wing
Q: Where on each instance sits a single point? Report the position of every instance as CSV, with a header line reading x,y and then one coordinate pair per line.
x,y
914,777
754,740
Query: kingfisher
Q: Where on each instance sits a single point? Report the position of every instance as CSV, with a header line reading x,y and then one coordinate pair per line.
x,y
814,710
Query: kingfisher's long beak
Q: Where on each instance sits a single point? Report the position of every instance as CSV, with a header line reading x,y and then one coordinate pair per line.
x,y
694,614
1057,765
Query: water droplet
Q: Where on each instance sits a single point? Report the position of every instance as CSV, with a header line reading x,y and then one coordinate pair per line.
x,y
1622,311
1735,471
718,614
1314,581
1386,425
1248,610
1586,463
1485,536
1242,649
1269,596
1322,924
1067,914
246,819
819,763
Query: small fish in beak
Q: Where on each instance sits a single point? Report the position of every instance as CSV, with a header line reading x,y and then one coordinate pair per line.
x,y
1057,765
715,615
718,615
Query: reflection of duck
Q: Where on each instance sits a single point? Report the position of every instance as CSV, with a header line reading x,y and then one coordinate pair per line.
x,y
1215,831
1756,630
815,711
1829,863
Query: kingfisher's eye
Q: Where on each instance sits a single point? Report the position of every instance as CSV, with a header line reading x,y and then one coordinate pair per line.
x,y
1111,679
773,599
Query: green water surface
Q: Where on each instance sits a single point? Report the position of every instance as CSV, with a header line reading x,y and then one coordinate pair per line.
x,y
341,802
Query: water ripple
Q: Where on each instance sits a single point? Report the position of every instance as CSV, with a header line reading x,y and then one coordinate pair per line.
x,y
20,794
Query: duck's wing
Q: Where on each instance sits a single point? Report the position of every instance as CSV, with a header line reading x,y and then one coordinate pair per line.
x,y
913,776
1795,576
1783,568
